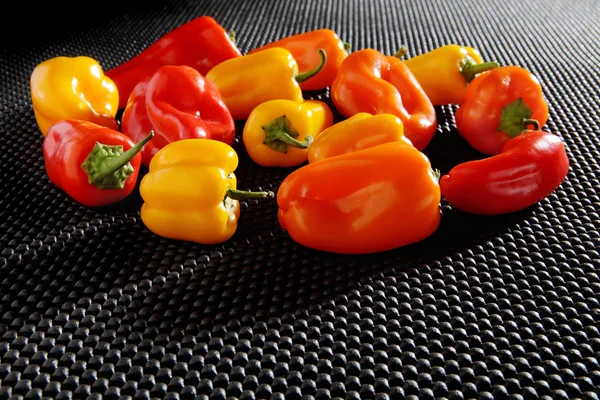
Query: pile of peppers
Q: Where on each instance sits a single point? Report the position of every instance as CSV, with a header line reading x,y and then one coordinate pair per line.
x,y
355,185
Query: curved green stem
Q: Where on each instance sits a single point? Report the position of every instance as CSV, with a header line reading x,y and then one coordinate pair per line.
x,y
108,167
470,69
534,122
279,134
303,76
235,194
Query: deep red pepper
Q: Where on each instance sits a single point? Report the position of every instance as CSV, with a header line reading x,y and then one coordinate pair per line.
x,y
93,164
176,102
529,168
200,43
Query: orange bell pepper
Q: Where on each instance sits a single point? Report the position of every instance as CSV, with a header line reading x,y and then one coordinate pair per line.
x,y
73,88
371,82
358,132
371,200
304,47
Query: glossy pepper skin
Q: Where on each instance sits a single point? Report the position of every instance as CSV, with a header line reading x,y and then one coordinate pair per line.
x,y
190,192
278,133
95,165
361,131
73,88
445,72
304,48
500,104
247,81
371,82
177,103
362,202
200,43
529,168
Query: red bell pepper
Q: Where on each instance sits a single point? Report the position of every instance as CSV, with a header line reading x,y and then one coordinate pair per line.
x,y
200,43
176,102
93,164
529,168
371,82
500,104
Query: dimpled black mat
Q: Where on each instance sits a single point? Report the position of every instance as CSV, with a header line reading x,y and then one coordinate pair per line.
x,y
94,305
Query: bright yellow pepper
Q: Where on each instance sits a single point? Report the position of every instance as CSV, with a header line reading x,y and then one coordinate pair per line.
x,y
445,72
73,88
361,131
247,81
278,133
190,192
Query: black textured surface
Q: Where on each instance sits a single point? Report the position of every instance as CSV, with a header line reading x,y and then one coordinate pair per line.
x,y
92,304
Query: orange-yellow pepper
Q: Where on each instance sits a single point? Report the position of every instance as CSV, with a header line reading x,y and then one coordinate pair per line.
x,y
190,192
278,133
73,88
372,200
247,81
445,72
361,131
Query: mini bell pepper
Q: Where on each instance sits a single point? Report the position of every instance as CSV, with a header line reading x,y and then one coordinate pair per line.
x,y
500,104
529,168
247,81
371,82
200,43
304,47
361,131
278,133
445,72
372,200
72,88
176,102
190,192
93,164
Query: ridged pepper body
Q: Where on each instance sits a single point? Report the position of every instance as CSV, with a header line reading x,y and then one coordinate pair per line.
x,y
73,88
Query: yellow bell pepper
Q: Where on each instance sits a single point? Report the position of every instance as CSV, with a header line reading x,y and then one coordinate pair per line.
x,y
73,88
190,192
278,133
361,131
247,81
445,72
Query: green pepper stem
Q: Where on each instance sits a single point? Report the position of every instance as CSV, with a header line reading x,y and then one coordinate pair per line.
x,y
534,122
235,194
281,136
470,69
347,47
401,52
231,35
304,76
113,164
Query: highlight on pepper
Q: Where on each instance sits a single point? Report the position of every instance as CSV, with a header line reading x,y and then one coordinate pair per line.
x,y
73,88
190,192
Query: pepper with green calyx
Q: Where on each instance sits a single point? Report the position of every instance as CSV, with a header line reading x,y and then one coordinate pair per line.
x,y
94,165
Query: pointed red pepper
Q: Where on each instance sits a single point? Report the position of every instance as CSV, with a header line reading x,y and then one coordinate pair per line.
x,y
372,82
200,43
93,164
529,168
176,102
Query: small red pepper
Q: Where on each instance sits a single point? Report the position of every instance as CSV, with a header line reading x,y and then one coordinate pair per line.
x,y
176,102
200,43
371,82
93,164
529,168
499,104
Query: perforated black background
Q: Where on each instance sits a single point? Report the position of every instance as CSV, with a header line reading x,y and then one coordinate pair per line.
x,y
92,304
